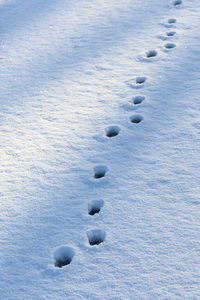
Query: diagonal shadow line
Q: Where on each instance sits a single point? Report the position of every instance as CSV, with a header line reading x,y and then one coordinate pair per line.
x,y
99,40
17,14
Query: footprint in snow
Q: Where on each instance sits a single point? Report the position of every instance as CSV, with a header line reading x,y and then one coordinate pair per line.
x,y
147,56
138,82
63,256
151,53
136,119
170,45
172,21
170,33
95,206
100,171
112,131
96,236
138,99
177,2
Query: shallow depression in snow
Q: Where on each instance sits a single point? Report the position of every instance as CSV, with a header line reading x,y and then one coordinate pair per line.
x,y
63,256
140,79
96,236
170,45
136,118
151,53
100,171
112,131
95,206
138,99
172,21
177,2
171,33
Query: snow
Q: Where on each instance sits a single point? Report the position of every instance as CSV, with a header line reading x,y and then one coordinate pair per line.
x,y
76,77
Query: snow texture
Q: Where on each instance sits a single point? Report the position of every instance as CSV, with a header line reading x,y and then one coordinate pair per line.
x,y
93,205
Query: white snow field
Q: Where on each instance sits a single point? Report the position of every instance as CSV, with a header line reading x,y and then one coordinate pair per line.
x,y
100,139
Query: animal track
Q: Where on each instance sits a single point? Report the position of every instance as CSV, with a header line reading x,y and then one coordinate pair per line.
x,y
112,131
63,256
172,21
138,99
136,119
170,45
151,53
137,82
171,33
177,2
95,206
96,236
140,80
100,171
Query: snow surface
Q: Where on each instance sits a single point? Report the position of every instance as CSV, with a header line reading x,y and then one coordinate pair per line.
x,y
69,71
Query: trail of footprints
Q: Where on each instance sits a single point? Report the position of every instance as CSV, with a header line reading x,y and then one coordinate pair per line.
x,y
64,255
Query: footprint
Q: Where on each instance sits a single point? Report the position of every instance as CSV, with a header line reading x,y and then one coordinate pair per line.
x,y
171,21
96,236
63,256
177,2
95,206
136,118
170,45
151,53
112,131
137,82
138,99
171,33
100,171
140,80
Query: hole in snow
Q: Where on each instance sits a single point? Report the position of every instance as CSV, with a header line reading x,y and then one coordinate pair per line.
x,y
136,118
151,53
95,206
96,236
171,33
138,99
100,171
112,131
172,21
140,79
63,256
170,45
177,2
